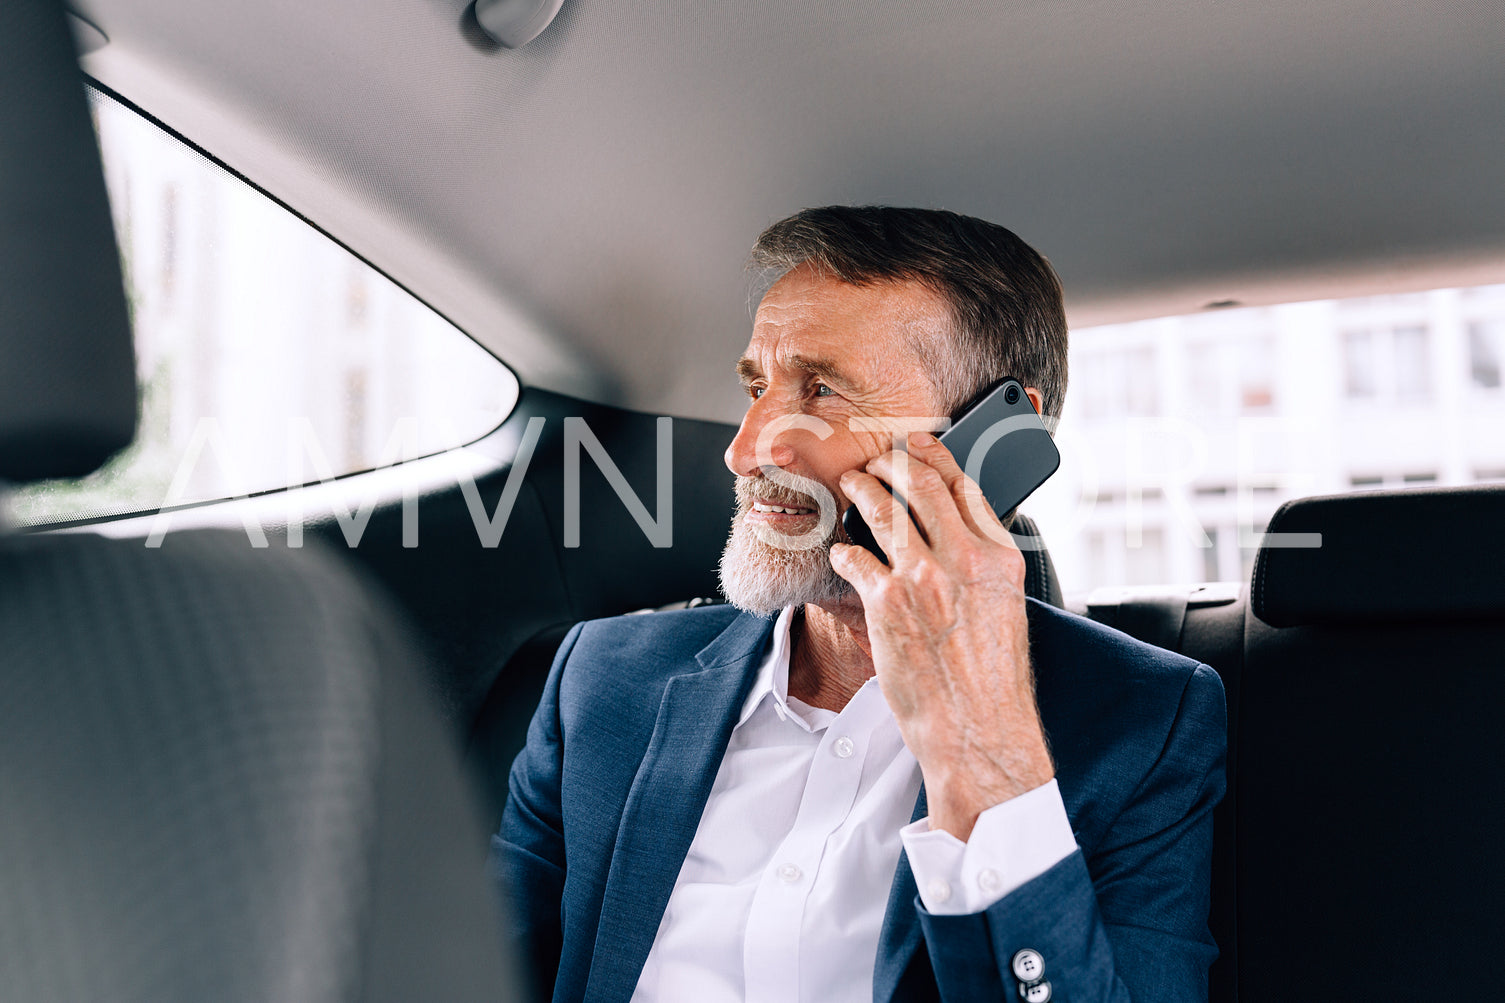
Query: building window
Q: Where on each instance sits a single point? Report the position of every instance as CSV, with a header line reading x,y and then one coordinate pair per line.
x,y
1115,383
1413,379
169,242
1360,379
1097,557
1388,364
356,299
1137,378
1211,572
1486,347
1204,377
1145,564
1256,374
356,406
1231,375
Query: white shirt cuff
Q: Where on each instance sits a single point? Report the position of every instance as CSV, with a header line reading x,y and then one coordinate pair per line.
x,y
1011,844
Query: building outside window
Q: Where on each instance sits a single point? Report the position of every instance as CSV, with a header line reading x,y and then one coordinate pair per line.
x,y
1186,433
1486,349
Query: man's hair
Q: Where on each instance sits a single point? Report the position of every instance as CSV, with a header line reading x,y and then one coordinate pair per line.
x,y
1007,315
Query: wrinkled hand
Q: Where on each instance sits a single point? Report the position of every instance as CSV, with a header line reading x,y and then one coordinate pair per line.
x,y
946,624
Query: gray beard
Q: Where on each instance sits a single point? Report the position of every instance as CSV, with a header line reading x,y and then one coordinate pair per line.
x,y
762,571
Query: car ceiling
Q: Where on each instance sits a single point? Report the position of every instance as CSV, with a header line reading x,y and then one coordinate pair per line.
x,y
584,205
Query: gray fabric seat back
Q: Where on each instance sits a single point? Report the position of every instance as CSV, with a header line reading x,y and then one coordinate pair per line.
x,y
222,780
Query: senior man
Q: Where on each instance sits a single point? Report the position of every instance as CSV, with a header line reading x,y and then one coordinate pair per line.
x,y
867,780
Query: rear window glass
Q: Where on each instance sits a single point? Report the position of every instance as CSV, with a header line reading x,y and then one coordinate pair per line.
x,y
267,354
1181,436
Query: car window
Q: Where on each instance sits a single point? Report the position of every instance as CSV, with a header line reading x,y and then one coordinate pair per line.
x,y
1181,436
268,354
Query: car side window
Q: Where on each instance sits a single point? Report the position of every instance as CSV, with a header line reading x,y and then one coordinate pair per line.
x,y
268,354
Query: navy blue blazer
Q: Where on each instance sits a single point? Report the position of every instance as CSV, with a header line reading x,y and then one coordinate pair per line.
x,y
636,715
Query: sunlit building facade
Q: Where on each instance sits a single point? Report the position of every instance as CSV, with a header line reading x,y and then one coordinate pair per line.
x,y
1181,436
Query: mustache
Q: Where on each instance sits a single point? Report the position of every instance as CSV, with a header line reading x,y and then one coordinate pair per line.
x,y
761,488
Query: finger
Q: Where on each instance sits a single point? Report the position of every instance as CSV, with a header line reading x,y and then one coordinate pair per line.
x,y
931,504
970,501
891,526
857,566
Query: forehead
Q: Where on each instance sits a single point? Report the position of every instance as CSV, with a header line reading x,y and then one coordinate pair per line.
x,y
866,331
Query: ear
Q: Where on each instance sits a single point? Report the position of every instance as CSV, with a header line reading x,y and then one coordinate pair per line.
x,y
1034,398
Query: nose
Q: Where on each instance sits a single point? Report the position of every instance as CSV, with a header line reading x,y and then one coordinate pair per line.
x,y
742,456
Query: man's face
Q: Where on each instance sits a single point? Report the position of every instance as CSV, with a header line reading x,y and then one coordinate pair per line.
x,y
825,359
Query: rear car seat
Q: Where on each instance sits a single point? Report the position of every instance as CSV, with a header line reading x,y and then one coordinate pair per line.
x,y
1370,793
1353,856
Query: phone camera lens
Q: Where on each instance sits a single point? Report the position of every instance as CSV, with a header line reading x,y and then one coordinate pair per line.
x,y
1011,395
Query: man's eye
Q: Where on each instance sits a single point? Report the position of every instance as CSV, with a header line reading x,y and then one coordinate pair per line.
x,y
821,390
755,392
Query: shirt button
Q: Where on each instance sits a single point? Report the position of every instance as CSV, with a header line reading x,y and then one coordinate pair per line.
x,y
989,881
1038,992
843,747
1028,965
939,891
790,873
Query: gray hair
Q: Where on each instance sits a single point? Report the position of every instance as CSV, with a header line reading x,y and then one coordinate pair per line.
x,y
1007,313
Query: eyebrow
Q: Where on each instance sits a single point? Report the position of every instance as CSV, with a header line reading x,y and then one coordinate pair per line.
x,y
825,369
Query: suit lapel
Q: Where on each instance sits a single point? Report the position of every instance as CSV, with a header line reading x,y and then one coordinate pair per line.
x,y
667,798
900,937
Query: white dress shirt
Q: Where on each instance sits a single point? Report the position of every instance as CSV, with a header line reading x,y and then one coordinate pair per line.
x,y
782,894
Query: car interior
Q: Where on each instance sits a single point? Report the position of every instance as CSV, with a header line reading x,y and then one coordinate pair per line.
x,y
242,769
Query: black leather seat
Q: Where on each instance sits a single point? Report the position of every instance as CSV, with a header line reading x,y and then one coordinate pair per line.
x,y
1369,795
220,776
1354,852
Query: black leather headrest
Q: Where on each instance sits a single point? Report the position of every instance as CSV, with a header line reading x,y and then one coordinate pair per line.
x,y
1040,581
1386,557
67,371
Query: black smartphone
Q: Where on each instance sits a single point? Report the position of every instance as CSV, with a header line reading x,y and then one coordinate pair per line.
x,y
1000,442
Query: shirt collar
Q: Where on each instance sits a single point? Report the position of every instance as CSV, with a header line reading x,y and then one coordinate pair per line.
x,y
773,674
772,684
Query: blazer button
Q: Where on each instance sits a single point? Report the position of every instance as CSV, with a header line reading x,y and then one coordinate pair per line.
x,y
1028,965
1035,992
